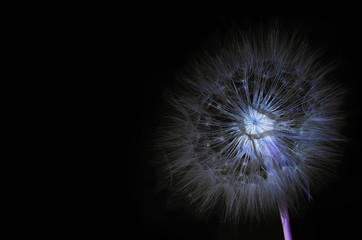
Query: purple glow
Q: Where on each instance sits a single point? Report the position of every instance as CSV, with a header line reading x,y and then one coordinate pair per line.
x,y
285,222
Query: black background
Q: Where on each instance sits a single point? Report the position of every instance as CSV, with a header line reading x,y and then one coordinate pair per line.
x,y
97,80
162,47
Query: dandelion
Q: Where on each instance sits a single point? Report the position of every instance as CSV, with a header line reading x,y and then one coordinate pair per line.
x,y
253,128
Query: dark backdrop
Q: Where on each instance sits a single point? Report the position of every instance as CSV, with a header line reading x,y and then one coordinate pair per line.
x,y
162,47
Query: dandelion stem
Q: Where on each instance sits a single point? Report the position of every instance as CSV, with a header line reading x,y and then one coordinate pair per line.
x,y
283,210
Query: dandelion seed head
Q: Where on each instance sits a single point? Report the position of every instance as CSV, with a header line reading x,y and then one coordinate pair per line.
x,y
252,126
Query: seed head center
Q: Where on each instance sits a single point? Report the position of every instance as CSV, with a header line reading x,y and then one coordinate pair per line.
x,y
257,123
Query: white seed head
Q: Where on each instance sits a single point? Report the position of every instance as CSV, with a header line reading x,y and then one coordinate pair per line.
x,y
252,126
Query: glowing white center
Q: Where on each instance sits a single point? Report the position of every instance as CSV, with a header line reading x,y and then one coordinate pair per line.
x,y
257,123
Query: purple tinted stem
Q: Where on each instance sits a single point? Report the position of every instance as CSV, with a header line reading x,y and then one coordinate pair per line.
x,y
283,210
